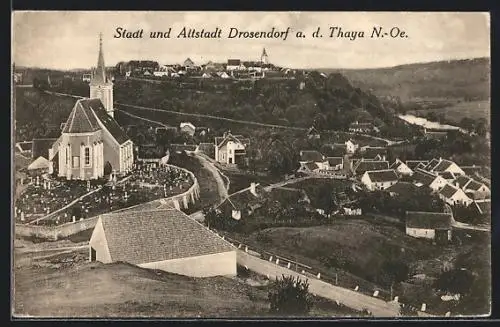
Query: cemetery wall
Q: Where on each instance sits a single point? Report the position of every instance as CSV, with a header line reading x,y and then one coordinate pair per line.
x,y
179,201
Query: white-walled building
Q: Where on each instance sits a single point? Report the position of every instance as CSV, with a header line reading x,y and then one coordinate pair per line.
x,y
430,225
164,239
442,165
425,178
379,179
454,195
401,168
231,149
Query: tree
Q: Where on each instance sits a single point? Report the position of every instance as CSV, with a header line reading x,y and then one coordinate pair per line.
x,y
290,296
455,281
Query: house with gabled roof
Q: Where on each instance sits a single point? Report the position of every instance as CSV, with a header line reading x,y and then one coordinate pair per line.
x,y
424,178
362,166
402,189
373,153
443,165
401,168
335,163
165,239
472,188
311,160
379,179
231,149
430,225
243,203
413,164
454,195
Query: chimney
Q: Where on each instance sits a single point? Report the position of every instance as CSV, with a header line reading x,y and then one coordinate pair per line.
x,y
252,188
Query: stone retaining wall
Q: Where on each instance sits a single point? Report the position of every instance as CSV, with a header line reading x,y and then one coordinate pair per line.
x,y
179,201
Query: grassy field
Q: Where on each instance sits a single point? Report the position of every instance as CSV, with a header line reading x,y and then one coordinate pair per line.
x,y
454,113
59,287
356,249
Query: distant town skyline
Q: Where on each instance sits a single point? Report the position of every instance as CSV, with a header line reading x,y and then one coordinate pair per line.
x,y
69,40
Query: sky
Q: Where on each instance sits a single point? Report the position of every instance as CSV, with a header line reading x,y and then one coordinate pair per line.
x,y
69,39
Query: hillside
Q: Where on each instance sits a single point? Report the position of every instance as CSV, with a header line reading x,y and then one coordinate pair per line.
x,y
458,79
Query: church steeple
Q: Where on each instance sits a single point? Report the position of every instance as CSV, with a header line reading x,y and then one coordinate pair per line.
x,y
99,76
264,58
100,86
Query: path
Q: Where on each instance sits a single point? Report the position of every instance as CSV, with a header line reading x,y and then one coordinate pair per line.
x,y
221,187
141,118
290,181
350,298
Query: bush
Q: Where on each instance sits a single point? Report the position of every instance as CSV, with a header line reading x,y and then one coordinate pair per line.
x,y
290,296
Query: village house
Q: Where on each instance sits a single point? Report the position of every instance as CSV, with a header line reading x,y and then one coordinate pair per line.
x,y
335,163
187,128
231,149
401,168
362,166
243,203
188,64
402,189
308,168
373,153
234,64
312,156
379,179
414,164
357,127
24,147
448,176
454,195
471,170
165,240
474,189
430,225
92,143
441,165
425,178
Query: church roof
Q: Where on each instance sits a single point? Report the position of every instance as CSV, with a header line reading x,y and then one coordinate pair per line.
x,y
85,118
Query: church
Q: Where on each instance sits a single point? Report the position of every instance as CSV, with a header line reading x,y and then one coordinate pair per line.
x,y
92,144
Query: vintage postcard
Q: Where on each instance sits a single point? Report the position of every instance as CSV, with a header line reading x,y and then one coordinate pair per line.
x,y
251,164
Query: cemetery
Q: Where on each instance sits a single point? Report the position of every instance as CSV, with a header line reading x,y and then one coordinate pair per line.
x,y
148,182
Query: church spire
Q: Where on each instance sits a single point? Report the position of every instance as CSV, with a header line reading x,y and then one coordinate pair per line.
x,y
99,76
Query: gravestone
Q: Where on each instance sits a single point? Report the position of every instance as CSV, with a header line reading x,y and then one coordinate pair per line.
x,y
356,288
277,261
303,272
74,219
270,258
246,249
396,299
375,294
289,265
22,215
448,314
424,307
319,276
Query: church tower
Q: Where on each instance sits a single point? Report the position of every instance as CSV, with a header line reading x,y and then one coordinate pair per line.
x,y
100,85
264,58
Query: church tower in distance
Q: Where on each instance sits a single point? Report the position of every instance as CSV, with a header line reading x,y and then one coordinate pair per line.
x,y
101,86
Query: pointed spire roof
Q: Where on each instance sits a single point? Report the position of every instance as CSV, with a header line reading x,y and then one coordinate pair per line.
x,y
99,76
264,54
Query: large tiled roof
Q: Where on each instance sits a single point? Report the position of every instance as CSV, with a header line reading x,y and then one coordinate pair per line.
x,y
85,118
412,164
443,165
378,176
40,148
462,181
432,164
447,175
372,152
474,186
428,220
403,188
109,122
82,119
311,155
423,177
334,161
366,165
140,237
448,191
219,141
